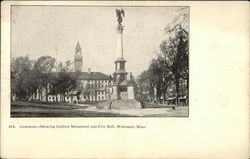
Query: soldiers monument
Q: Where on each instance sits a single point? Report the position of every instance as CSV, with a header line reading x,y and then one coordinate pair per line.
x,y
121,90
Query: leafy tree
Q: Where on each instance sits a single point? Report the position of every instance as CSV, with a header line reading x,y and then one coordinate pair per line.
x,y
43,68
63,81
67,66
20,70
166,76
141,86
160,77
155,77
28,76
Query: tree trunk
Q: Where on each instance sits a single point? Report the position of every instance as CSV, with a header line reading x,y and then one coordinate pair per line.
x,y
46,93
177,91
61,100
20,95
64,97
27,95
158,94
164,96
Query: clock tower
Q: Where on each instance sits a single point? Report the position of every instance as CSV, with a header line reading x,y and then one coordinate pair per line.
x,y
78,60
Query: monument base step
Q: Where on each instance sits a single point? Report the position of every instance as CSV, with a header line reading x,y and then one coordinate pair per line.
x,y
120,104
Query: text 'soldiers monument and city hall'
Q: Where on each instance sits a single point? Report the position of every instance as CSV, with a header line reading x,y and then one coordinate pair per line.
x,y
121,89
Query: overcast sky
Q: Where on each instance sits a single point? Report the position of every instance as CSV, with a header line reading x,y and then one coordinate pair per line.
x,y
41,30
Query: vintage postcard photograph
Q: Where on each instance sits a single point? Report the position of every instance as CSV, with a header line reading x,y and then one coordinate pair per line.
x,y
99,61
125,79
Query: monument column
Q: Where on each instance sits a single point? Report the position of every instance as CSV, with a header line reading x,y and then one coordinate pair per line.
x,y
119,45
122,93
120,74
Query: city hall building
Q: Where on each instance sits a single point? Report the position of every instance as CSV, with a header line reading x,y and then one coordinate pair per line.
x,y
91,86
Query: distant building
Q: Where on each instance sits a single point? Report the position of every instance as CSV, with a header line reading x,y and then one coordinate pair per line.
x,y
91,86
183,92
150,93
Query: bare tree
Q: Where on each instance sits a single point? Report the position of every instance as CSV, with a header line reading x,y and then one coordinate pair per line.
x,y
175,50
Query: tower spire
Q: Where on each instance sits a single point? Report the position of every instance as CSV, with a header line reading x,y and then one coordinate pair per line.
x,y
78,50
78,59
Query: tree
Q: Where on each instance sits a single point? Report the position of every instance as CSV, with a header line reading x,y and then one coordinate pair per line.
x,y
141,86
20,84
67,66
171,64
28,76
62,84
159,77
43,68
155,77
166,76
175,50
63,81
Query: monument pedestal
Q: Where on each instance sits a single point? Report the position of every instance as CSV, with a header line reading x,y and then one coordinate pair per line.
x,y
114,94
131,94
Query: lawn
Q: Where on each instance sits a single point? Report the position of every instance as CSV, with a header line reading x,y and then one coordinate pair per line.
x,y
37,109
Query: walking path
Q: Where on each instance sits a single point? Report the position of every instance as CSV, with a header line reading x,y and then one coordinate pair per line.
x,y
151,112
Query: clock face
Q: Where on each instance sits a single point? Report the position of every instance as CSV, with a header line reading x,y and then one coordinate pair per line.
x,y
78,64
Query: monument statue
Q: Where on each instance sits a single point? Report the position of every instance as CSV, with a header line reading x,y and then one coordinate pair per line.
x,y
120,14
121,92
131,76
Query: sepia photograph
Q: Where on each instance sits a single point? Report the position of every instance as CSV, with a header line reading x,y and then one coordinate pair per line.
x,y
124,79
80,61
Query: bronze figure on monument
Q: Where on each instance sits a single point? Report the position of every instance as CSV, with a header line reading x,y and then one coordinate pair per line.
x,y
119,14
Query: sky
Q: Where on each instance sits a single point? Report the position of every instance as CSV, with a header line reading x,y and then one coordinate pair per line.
x,y
55,30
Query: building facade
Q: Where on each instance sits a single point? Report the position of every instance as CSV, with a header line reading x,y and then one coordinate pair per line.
x,y
182,93
91,86
150,94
